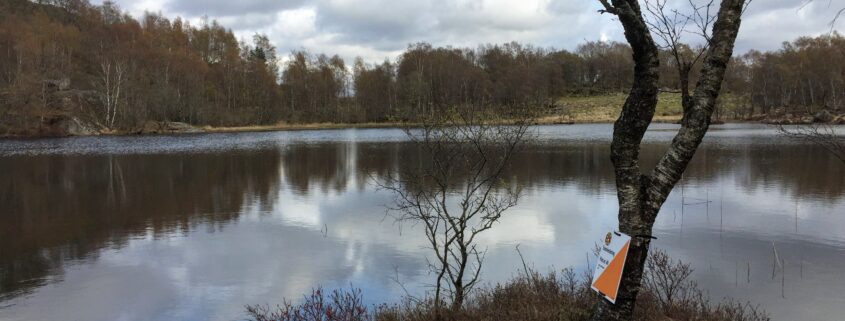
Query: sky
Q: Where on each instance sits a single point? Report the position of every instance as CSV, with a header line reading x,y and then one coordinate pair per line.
x,y
381,29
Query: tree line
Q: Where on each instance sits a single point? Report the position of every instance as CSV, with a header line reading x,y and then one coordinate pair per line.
x,y
96,63
806,75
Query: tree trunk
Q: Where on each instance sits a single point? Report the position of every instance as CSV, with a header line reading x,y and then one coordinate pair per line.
x,y
641,196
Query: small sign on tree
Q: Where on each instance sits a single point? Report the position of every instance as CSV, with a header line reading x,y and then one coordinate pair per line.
x,y
611,262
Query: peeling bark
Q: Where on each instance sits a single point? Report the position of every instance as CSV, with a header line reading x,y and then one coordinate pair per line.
x,y
641,196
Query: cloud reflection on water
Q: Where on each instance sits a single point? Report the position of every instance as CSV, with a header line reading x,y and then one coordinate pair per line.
x,y
198,234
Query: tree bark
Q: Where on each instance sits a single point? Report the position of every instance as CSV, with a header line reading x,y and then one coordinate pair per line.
x,y
641,196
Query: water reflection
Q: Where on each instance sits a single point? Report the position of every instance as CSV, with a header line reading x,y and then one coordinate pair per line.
x,y
253,218
58,209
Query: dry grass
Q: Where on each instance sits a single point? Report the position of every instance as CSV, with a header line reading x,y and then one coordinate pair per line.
x,y
606,107
576,109
558,296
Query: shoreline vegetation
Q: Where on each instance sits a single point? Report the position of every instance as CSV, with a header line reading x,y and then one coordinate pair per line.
x,y
668,294
566,111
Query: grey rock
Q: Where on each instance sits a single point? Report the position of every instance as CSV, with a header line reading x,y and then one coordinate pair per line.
x,y
823,116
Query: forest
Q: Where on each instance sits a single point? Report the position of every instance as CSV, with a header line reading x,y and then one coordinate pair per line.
x,y
71,63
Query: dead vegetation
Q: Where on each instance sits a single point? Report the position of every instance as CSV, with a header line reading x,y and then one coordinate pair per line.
x,y
668,294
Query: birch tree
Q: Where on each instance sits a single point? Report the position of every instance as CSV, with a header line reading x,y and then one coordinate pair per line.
x,y
112,76
458,191
640,194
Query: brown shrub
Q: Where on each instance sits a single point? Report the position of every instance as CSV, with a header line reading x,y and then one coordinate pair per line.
x,y
341,305
667,294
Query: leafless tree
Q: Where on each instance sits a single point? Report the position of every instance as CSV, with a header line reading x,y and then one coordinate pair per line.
x,y
457,191
823,135
671,26
642,195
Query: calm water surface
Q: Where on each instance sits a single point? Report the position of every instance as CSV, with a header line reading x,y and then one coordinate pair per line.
x,y
194,227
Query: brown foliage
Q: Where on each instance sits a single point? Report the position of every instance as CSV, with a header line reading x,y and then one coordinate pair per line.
x,y
804,76
339,306
202,75
132,71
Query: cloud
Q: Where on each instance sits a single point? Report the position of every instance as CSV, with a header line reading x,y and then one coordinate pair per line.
x,y
216,8
767,27
379,29
379,22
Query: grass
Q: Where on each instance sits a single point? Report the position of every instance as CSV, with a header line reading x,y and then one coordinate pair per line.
x,y
555,296
606,107
600,108
576,109
603,108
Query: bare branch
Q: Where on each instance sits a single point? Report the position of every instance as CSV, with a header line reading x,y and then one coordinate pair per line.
x,y
458,191
608,8
822,135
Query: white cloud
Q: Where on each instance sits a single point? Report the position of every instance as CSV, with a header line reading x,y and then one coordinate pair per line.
x,y
296,23
378,29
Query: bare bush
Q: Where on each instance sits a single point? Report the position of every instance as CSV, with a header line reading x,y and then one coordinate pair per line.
x,y
669,281
671,293
458,190
532,296
340,305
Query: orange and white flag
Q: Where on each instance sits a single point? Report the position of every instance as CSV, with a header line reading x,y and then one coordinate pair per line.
x,y
611,262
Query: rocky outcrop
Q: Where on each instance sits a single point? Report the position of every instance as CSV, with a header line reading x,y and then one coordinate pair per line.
x,y
823,116
61,125
72,126
781,118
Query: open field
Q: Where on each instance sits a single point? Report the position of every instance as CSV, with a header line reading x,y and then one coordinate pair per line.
x,y
606,107
577,109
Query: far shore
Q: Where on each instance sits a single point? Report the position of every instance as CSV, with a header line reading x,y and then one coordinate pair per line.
x,y
592,109
549,120
161,128
170,128
307,126
552,120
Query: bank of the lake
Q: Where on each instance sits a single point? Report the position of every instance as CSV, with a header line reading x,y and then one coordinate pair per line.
x,y
592,109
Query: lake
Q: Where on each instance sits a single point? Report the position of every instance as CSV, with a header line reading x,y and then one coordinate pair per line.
x,y
194,227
